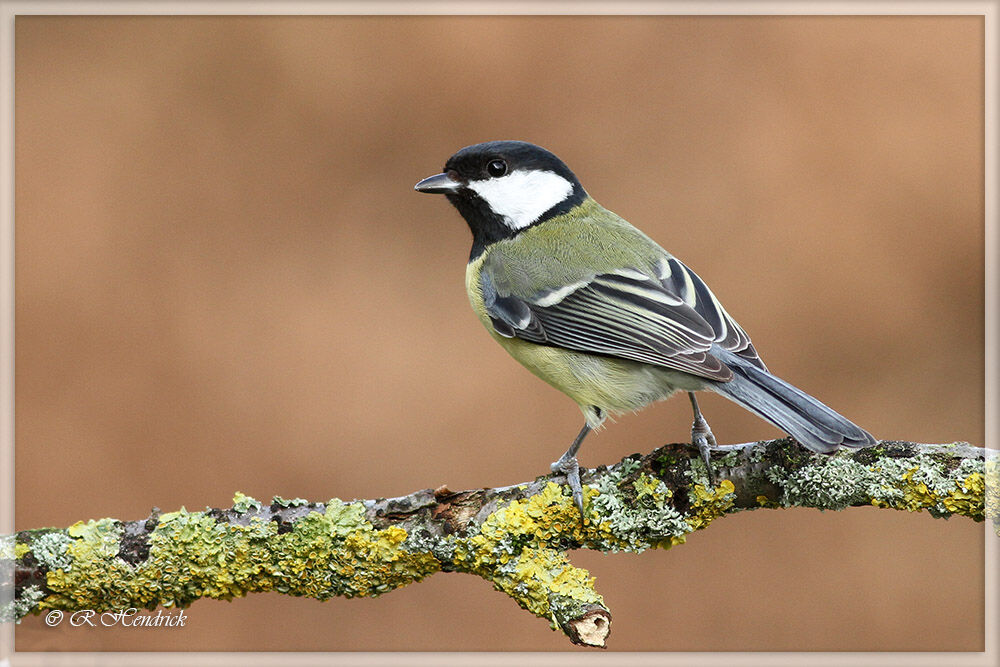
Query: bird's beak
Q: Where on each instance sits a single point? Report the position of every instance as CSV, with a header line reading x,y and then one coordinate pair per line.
x,y
438,184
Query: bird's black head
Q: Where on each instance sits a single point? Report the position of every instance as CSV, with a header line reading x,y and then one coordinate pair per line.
x,y
504,187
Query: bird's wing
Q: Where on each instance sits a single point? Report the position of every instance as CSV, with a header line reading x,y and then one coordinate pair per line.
x,y
666,317
729,335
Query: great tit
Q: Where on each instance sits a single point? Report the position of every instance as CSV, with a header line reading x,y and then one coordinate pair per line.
x,y
597,309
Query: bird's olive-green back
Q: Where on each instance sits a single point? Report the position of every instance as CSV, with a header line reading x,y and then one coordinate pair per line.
x,y
587,241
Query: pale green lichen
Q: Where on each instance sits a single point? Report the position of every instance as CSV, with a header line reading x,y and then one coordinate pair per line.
x,y
25,603
927,484
50,550
991,479
909,483
442,548
193,555
640,514
8,547
637,520
289,502
696,471
757,452
835,483
729,460
520,547
243,503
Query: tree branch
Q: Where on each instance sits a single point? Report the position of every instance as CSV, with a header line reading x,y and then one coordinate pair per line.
x,y
517,537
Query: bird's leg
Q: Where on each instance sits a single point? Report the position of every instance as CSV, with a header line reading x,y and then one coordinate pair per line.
x,y
567,465
702,438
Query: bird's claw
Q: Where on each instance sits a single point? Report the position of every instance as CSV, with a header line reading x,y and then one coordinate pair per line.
x,y
702,438
570,469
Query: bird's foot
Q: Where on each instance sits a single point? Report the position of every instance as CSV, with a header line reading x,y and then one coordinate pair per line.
x,y
570,468
702,438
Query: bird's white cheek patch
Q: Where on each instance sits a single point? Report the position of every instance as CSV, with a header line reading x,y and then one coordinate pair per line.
x,y
521,197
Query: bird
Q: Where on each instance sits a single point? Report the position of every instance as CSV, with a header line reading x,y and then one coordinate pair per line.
x,y
597,309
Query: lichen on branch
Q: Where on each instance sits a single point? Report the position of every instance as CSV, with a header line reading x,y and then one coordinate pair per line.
x,y
516,537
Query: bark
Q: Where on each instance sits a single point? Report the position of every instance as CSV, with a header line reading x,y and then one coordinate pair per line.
x,y
517,536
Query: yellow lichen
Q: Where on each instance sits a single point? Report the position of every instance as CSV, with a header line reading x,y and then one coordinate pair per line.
x,y
650,486
520,547
968,498
517,548
193,555
764,501
710,505
671,541
538,573
916,495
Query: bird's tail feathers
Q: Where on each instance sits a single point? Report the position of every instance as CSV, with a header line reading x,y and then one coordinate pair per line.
x,y
792,410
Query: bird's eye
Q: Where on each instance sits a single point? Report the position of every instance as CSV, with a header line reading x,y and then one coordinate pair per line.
x,y
496,168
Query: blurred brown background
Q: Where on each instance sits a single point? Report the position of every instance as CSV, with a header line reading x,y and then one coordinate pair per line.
x,y
225,282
